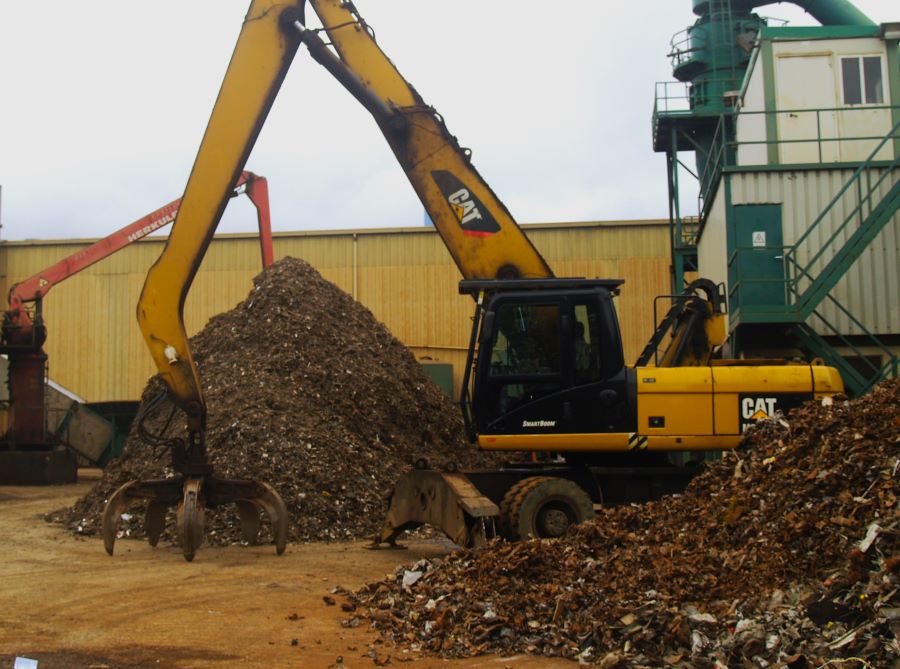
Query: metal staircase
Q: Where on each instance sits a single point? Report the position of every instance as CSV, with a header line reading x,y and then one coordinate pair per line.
x,y
807,289
859,378
811,274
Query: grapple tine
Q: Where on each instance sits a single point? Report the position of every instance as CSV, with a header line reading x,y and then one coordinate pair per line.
x,y
249,514
155,521
190,518
117,503
270,501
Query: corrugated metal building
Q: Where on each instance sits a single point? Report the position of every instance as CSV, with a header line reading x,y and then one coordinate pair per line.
x,y
404,276
869,287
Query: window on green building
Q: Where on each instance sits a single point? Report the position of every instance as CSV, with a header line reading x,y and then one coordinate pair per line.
x,y
862,80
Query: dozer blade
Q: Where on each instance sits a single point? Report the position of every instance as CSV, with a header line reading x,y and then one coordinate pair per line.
x,y
448,501
192,496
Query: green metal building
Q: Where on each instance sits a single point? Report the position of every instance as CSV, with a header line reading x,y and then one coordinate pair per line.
x,y
795,133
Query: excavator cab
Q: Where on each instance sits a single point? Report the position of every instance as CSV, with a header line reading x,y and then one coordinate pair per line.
x,y
549,360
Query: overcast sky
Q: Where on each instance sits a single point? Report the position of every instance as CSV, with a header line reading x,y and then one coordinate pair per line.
x,y
104,104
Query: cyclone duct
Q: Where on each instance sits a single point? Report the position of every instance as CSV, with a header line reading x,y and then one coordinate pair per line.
x,y
826,12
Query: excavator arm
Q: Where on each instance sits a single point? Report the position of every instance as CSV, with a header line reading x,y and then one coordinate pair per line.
x,y
258,65
23,332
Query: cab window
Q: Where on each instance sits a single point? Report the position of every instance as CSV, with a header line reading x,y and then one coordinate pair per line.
x,y
586,344
528,341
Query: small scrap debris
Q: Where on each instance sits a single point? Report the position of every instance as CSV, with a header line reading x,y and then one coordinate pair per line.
x,y
782,554
307,391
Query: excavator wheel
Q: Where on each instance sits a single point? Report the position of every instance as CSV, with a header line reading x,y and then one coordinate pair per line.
x,y
543,507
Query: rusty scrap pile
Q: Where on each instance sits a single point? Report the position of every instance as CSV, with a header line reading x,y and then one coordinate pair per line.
x,y
782,554
308,391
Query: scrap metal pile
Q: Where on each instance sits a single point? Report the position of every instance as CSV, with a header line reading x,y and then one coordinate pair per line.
x,y
308,391
784,553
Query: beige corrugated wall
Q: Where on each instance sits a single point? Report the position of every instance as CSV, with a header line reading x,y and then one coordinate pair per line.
x,y
404,276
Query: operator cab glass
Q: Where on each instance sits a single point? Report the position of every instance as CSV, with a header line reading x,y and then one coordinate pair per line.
x,y
551,361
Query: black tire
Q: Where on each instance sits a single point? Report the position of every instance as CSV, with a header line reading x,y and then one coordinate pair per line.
x,y
541,507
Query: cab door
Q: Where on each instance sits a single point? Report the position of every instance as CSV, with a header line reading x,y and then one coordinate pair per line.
x,y
598,387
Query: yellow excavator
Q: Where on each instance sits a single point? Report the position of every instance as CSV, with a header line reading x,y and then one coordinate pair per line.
x,y
546,372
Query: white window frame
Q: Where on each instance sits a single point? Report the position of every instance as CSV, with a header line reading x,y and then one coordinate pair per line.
x,y
860,59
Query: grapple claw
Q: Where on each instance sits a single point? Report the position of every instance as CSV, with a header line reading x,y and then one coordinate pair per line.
x,y
155,521
249,514
116,504
270,501
193,488
190,518
192,495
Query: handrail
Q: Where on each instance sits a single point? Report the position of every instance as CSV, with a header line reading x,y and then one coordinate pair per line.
x,y
875,372
863,167
856,211
710,175
723,141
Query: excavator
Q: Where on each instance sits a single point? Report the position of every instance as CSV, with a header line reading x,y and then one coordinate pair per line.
x,y
28,454
546,373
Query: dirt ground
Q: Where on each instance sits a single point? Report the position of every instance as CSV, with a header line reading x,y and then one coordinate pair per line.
x,y
67,604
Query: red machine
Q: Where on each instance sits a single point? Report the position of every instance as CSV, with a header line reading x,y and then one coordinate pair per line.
x,y
27,454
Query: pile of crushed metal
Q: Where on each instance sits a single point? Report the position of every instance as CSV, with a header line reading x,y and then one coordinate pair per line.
x,y
307,391
784,553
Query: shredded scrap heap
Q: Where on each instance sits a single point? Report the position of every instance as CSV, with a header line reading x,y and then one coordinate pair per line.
x,y
308,391
784,553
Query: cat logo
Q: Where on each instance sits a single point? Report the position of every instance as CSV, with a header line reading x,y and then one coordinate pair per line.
x,y
757,408
463,207
471,214
753,408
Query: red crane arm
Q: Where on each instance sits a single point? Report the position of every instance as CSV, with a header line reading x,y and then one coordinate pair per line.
x,y
35,287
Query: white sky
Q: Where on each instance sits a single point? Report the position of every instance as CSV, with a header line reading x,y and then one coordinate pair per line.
x,y
104,103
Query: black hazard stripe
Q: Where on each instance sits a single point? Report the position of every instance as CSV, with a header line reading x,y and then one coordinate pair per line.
x,y
636,441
